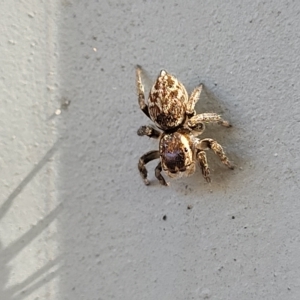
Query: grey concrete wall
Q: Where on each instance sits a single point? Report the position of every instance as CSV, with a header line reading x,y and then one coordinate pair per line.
x,y
77,222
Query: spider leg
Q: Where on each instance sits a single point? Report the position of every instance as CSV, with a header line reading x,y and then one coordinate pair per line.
x,y
207,118
158,175
149,131
140,91
151,155
217,148
201,156
195,95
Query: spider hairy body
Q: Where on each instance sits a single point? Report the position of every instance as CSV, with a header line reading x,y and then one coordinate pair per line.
x,y
167,102
173,112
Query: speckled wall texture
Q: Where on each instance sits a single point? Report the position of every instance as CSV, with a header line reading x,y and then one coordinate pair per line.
x,y
76,220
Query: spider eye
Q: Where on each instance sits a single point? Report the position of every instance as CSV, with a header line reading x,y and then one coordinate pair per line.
x,y
174,160
175,153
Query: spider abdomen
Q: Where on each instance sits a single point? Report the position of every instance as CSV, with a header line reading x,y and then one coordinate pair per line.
x,y
167,102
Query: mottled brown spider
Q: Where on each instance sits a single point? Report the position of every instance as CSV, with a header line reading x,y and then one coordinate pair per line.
x,y
173,112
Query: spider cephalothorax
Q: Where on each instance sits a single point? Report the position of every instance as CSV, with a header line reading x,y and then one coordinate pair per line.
x,y
176,154
172,111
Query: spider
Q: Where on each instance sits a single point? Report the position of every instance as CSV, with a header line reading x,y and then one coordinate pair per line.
x,y
173,112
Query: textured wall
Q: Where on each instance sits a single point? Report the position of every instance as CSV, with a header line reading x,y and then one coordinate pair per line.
x,y
83,225
29,202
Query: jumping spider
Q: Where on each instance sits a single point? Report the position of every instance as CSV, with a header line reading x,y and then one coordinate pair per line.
x,y
173,111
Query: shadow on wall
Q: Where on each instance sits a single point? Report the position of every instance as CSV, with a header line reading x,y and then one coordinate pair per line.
x,y
43,275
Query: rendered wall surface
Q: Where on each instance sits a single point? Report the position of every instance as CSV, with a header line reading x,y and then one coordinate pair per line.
x,y
76,220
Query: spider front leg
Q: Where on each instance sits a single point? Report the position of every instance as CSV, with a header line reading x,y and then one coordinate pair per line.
x,y
158,175
149,156
207,118
141,92
206,144
195,95
201,156
148,131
